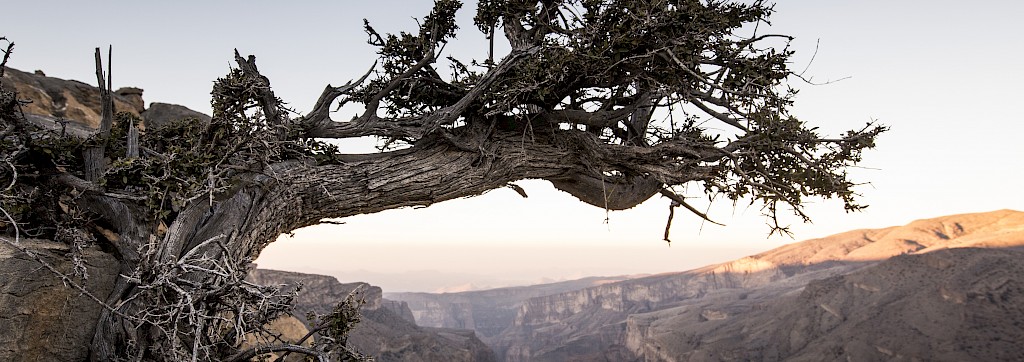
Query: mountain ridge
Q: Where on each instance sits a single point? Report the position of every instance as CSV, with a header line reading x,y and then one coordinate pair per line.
x,y
602,322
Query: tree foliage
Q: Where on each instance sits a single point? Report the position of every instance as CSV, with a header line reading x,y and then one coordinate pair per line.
x,y
612,101
606,74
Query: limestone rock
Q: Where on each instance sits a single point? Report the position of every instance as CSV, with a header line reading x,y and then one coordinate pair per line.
x,y
133,96
41,319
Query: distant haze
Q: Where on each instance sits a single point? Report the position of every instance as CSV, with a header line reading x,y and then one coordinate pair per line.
x,y
426,266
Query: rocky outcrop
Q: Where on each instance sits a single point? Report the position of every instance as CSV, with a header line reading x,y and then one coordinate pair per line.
x,y
614,321
51,100
68,99
387,330
133,96
42,318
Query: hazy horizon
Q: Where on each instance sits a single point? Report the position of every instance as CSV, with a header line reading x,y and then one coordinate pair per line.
x,y
428,268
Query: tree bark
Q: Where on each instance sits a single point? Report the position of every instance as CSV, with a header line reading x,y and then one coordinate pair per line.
x,y
294,194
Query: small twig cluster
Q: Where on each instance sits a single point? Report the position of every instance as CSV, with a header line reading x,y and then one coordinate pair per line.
x,y
200,304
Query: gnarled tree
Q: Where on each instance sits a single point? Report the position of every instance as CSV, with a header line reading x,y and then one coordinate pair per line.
x,y
612,101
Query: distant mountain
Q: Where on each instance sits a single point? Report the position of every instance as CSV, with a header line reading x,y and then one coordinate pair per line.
x,y
709,313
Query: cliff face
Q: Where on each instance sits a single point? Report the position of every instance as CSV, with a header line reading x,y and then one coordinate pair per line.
x,y
624,320
387,330
488,312
590,324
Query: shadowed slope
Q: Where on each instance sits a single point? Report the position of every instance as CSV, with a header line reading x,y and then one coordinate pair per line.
x,y
962,304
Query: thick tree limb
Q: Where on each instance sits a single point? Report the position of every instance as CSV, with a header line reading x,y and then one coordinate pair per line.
x,y
588,118
607,193
321,110
432,172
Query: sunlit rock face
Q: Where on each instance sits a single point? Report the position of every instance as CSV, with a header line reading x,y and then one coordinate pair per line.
x,y
603,321
68,99
80,104
387,331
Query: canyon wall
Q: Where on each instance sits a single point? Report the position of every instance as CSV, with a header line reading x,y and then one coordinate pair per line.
x,y
959,304
595,323
488,312
682,316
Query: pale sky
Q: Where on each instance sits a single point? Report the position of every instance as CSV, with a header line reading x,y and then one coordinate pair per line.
x,y
945,75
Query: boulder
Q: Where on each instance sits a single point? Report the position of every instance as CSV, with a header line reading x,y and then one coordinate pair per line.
x,y
160,114
133,96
